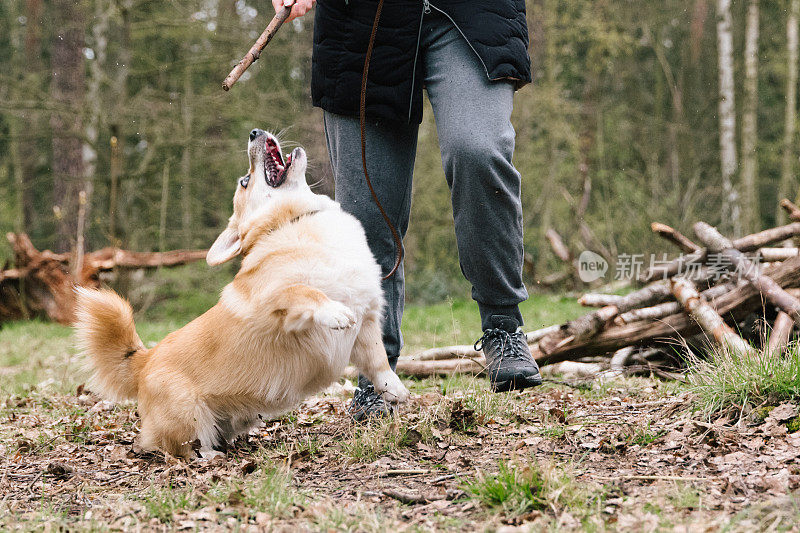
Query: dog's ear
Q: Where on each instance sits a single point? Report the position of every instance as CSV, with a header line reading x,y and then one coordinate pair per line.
x,y
227,246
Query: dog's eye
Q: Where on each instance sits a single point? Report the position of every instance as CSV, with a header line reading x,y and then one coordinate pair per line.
x,y
244,180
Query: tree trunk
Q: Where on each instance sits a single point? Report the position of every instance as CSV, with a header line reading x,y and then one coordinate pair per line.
x,y
787,184
117,142
34,120
186,158
731,217
67,91
18,170
99,45
750,203
162,221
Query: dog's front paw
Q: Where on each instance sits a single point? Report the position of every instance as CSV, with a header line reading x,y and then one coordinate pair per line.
x,y
391,388
335,315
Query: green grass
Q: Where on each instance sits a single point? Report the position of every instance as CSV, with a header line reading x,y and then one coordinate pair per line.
x,y
686,497
643,435
458,321
162,503
267,490
729,379
513,490
33,353
520,487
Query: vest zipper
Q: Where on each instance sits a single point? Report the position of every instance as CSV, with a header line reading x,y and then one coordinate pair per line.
x,y
427,2
426,8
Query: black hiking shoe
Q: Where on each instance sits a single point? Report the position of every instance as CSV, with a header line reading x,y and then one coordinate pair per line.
x,y
367,403
509,362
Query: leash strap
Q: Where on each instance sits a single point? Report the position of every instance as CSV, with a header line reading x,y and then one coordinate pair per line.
x,y
362,115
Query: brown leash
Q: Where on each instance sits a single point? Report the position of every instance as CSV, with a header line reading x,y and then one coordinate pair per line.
x,y
362,115
255,52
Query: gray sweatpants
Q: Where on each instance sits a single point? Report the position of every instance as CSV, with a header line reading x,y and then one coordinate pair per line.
x,y
477,142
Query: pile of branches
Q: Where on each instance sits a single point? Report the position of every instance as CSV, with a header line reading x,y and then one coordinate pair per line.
x,y
41,283
715,291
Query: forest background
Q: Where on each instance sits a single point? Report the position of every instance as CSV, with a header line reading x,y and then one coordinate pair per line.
x,y
673,111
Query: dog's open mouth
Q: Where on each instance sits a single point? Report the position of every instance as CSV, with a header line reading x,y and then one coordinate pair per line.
x,y
275,168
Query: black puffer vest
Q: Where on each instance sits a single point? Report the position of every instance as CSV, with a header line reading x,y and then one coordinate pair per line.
x,y
495,29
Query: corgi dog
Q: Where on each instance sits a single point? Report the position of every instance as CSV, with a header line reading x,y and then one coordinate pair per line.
x,y
306,302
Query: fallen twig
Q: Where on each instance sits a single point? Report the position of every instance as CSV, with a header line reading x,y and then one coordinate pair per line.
x,y
403,472
412,498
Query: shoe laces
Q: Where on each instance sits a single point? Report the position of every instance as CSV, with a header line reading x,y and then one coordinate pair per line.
x,y
505,338
366,398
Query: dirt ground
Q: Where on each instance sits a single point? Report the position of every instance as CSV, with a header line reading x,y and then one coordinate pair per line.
x,y
626,455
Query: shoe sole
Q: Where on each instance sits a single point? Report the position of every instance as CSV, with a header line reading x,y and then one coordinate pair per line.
x,y
366,415
517,383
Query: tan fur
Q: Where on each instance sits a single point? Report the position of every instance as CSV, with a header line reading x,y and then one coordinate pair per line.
x,y
106,332
306,302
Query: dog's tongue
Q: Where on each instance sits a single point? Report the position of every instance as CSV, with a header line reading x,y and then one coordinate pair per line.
x,y
274,164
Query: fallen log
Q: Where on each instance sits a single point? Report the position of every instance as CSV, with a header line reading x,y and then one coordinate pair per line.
x,y
707,317
675,237
423,369
573,370
749,243
737,303
717,243
41,283
781,333
578,329
771,255
589,325
599,300
670,308
468,350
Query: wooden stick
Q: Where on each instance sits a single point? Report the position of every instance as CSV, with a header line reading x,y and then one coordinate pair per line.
x,y
670,308
582,327
445,367
791,209
674,236
707,317
404,472
411,499
736,303
745,244
261,43
599,300
717,243
771,255
557,244
781,332
591,324
651,478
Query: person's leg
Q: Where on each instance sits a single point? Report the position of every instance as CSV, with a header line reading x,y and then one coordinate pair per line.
x,y
391,149
473,120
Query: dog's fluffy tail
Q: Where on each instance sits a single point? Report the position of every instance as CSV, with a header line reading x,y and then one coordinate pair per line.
x,y
107,337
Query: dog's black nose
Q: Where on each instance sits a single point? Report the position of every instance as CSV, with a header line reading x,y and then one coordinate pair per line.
x,y
254,134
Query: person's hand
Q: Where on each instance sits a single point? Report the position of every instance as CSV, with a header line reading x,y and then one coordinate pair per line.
x,y
300,7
